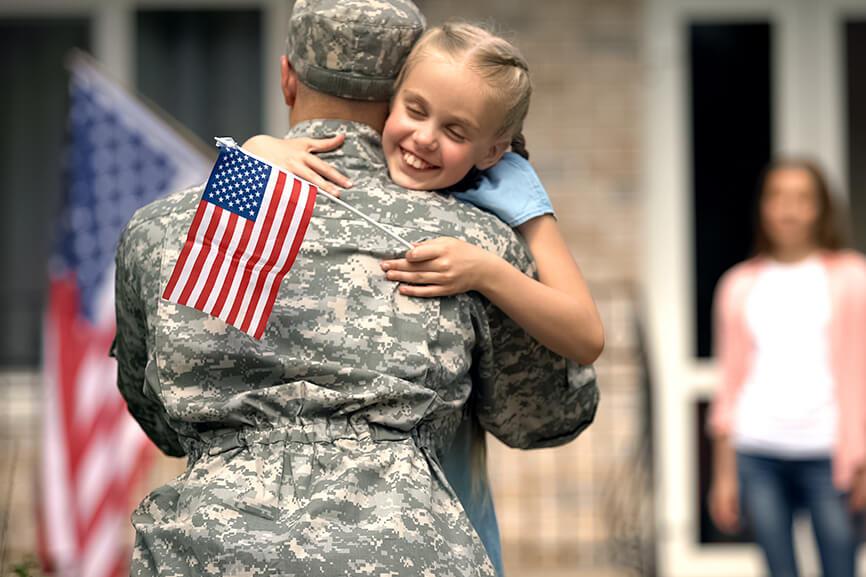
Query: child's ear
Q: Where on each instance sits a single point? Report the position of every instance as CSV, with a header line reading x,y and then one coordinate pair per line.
x,y
494,153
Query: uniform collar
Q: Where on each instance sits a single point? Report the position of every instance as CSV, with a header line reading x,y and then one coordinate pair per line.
x,y
362,140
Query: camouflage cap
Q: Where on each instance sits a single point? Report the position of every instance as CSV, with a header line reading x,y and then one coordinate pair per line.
x,y
352,48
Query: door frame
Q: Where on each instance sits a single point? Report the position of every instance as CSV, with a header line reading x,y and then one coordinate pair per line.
x,y
808,118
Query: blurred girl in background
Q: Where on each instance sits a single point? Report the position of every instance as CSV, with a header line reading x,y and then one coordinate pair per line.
x,y
789,419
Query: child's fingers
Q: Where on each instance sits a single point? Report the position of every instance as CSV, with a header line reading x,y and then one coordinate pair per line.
x,y
404,265
325,144
426,291
433,248
327,171
424,251
857,498
313,177
422,277
395,264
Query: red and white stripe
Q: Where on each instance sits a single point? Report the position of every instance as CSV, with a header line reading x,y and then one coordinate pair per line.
x,y
93,450
231,267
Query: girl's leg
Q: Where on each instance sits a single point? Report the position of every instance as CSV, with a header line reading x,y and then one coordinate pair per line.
x,y
835,527
767,504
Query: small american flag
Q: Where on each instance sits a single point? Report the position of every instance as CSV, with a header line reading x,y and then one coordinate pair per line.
x,y
244,238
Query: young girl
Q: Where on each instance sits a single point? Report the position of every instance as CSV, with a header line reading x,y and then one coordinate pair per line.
x,y
789,419
459,105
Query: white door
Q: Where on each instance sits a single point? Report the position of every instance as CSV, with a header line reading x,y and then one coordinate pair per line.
x,y
804,47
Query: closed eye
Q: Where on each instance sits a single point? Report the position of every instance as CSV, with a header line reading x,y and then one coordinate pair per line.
x,y
455,135
415,111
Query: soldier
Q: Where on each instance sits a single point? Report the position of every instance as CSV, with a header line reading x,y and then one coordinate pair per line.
x,y
316,451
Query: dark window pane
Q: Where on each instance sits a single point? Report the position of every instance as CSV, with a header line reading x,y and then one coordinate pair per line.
x,y
204,67
33,116
855,66
731,130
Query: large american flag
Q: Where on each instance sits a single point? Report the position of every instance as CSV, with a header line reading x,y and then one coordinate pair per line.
x,y
121,156
243,239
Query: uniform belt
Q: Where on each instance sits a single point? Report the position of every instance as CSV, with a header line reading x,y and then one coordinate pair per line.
x,y
216,441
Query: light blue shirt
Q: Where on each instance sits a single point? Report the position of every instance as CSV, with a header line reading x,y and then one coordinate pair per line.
x,y
510,189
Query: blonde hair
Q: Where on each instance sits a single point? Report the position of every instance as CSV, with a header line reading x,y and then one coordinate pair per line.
x,y
494,59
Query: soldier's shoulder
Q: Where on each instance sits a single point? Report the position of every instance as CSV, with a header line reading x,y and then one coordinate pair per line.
x,y
487,230
441,214
149,225
160,212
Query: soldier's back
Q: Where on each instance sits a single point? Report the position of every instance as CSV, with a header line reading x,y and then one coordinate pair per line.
x,y
320,439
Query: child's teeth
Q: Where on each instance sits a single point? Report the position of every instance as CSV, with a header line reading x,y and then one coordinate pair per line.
x,y
414,161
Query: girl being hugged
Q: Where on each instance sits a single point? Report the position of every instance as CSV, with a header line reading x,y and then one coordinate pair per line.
x,y
459,106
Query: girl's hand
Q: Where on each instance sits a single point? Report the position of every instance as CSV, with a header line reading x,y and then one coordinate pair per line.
x,y
441,267
297,156
724,503
857,498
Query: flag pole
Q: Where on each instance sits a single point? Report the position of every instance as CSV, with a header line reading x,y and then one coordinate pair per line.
x,y
229,142
365,217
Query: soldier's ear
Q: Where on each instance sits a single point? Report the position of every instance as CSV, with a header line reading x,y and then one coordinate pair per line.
x,y
288,81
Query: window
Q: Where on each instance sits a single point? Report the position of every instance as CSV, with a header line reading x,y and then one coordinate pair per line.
x,y
730,66
855,65
33,116
203,67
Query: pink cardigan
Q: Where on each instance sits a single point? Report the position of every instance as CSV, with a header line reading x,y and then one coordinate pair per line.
x,y
734,350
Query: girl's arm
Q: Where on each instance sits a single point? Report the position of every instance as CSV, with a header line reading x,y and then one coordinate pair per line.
x,y
298,156
724,501
569,321
557,309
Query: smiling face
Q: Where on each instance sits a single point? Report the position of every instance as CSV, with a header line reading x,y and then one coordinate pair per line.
x,y
442,123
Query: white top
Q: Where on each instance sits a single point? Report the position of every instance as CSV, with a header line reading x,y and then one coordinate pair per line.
x,y
787,406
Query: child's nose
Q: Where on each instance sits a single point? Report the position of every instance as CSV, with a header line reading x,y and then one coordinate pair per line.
x,y
426,138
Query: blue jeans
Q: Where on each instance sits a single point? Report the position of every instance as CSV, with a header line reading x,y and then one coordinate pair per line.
x,y
477,501
772,490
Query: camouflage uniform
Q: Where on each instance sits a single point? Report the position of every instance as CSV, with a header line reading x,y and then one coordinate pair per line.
x,y
316,450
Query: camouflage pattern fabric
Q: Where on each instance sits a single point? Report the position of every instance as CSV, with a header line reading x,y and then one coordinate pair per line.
x,y
352,48
316,451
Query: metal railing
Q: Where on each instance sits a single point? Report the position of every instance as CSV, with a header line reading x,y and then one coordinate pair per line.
x,y
586,508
